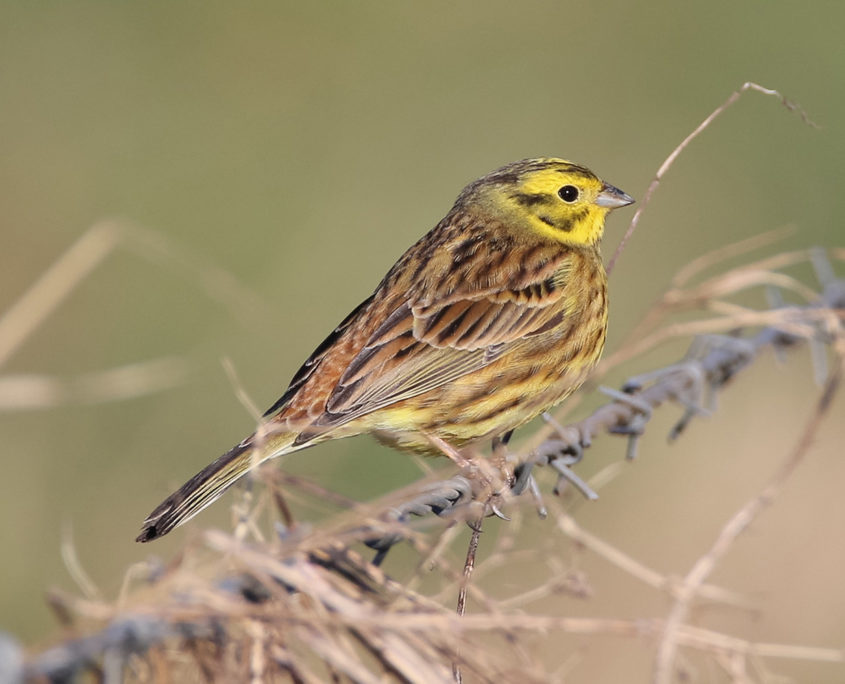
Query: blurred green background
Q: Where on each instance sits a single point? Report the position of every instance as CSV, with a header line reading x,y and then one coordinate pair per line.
x,y
301,147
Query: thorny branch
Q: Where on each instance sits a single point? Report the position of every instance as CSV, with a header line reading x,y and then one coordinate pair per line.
x,y
693,383
673,156
705,565
280,602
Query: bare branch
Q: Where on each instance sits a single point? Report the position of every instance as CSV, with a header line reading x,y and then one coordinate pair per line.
x,y
673,156
736,526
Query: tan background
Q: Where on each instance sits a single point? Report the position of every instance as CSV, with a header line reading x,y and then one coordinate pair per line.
x,y
301,147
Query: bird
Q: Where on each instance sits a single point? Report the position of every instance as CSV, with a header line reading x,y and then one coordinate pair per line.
x,y
493,317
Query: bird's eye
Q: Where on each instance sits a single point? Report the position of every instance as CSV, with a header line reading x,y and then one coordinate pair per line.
x,y
568,193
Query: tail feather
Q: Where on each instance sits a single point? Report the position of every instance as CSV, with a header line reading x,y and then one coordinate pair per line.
x,y
209,484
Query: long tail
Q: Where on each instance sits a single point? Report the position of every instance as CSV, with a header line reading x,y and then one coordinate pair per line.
x,y
207,485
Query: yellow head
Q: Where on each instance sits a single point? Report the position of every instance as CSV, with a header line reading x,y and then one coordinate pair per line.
x,y
555,198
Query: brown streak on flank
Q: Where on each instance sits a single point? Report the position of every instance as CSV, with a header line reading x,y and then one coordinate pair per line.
x,y
497,410
467,402
484,393
596,339
516,378
571,352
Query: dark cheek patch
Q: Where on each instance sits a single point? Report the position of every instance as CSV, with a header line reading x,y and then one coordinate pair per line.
x,y
532,199
566,224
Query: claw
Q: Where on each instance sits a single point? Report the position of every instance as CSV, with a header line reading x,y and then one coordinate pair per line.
x,y
495,510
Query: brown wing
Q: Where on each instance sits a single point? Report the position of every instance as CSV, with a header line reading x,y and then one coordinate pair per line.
x,y
458,328
312,362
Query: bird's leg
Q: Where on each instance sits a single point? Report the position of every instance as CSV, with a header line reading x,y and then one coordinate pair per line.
x,y
469,467
481,472
449,451
519,477
501,457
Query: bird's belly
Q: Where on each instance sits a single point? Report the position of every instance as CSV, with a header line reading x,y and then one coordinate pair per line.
x,y
481,405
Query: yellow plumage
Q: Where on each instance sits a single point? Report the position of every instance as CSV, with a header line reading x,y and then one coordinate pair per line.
x,y
491,318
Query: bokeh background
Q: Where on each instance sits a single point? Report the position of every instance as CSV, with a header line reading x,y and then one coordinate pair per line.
x,y
300,148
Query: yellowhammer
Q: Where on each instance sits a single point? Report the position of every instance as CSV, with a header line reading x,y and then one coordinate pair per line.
x,y
491,318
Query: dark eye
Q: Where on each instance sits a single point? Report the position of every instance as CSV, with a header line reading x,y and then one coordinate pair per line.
x,y
568,193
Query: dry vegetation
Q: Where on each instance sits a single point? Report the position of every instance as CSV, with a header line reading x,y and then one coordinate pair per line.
x,y
289,601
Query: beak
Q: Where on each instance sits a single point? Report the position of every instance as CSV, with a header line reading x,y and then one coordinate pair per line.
x,y
613,198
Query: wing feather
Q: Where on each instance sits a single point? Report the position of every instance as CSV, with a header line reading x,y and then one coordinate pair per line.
x,y
424,345
312,362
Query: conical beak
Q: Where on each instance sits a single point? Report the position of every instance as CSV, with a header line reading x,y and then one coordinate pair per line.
x,y
613,198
